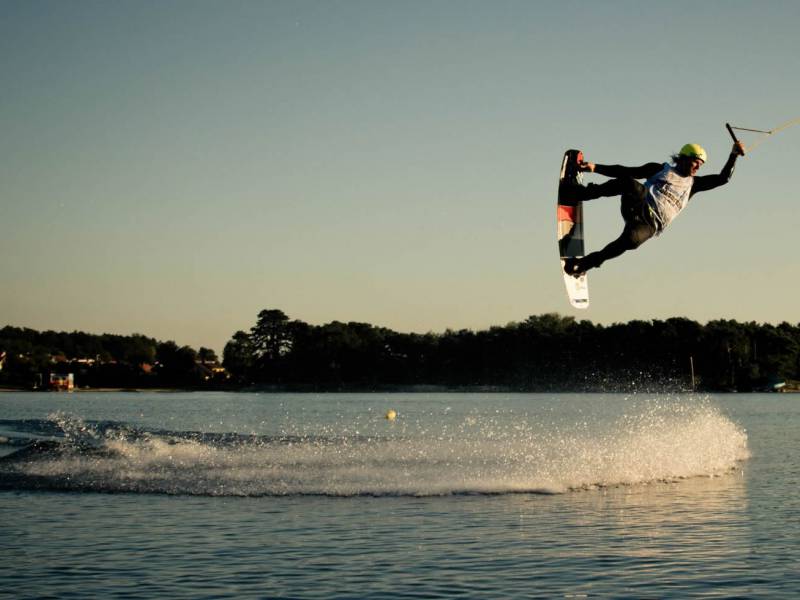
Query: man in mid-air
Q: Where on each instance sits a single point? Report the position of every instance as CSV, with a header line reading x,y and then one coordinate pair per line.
x,y
648,208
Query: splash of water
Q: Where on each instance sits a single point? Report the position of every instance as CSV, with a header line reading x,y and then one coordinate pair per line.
x,y
476,454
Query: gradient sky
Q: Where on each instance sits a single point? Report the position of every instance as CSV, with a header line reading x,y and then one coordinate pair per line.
x,y
173,167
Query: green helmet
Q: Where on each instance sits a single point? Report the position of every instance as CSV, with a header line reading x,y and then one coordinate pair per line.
x,y
694,151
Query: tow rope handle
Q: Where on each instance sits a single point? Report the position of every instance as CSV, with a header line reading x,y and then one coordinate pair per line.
x,y
733,135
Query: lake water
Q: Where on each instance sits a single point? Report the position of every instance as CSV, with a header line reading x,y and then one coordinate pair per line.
x,y
206,495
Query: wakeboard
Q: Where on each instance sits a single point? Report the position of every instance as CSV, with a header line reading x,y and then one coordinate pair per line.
x,y
569,217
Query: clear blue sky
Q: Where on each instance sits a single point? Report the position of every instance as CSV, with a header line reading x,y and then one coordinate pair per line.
x,y
174,167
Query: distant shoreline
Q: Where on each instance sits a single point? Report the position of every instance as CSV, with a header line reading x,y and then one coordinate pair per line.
x,y
103,390
419,389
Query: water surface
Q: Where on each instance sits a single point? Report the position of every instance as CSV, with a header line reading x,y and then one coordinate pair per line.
x,y
471,495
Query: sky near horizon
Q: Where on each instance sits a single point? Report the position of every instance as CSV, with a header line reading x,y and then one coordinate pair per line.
x,y
173,167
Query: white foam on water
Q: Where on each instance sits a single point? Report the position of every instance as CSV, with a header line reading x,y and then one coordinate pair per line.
x,y
652,441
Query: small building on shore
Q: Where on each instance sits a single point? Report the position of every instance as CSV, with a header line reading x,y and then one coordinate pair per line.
x,y
61,382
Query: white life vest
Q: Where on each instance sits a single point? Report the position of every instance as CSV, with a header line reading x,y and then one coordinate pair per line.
x,y
667,194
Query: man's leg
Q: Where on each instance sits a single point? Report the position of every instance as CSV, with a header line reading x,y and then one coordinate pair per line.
x,y
636,232
593,260
622,186
633,236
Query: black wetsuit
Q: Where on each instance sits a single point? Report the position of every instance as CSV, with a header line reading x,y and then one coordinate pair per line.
x,y
640,224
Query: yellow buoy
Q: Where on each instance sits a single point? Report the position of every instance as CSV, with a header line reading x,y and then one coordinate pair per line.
x,y
391,414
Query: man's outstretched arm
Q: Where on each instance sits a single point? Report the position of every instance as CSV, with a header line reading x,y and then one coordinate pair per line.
x,y
709,182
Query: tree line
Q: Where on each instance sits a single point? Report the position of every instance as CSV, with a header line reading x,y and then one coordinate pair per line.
x,y
133,361
547,352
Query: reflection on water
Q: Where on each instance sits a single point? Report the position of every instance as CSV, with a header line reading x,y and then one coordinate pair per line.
x,y
655,540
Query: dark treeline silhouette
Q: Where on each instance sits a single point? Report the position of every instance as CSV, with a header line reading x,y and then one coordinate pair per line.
x,y
105,360
547,352
543,353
